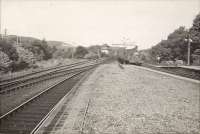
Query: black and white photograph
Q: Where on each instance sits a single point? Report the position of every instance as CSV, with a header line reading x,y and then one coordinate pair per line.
x,y
99,66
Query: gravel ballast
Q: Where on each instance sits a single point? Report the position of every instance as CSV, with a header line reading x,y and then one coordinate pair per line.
x,y
130,100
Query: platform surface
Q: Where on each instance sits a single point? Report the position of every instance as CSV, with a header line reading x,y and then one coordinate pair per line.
x,y
182,66
192,67
130,100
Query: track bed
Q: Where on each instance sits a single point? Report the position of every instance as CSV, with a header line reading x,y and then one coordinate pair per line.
x,y
27,117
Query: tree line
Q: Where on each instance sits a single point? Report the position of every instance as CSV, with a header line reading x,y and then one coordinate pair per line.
x,y
176,44
17,56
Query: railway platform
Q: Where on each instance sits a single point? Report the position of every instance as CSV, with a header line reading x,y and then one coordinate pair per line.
x,y
197,68
128,100
192,67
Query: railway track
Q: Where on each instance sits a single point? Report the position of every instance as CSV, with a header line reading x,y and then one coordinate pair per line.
x,y
24,118
193,74
23,78
13,96
7,86
16,77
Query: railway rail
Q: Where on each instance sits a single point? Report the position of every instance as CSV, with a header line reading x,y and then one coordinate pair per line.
x,y
13,96
188,73
29,76
24,118
15,77
6,87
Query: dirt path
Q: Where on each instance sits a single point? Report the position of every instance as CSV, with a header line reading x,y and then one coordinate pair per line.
x,y
132,101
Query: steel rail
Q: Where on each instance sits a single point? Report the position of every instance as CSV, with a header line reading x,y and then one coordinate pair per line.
x,y
37,79
33,99
176,71
74,71
58,106
7,85
54,110
22,78
39,71
57,69
1,117
61,73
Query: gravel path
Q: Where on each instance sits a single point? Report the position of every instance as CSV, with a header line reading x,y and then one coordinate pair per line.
x,y
131,100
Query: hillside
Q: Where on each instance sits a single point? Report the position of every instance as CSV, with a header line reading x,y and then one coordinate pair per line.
x,y
22,52
59,44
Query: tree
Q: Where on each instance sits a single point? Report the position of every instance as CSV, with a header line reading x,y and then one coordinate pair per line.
x,y
41,50
162,50
9,49
178,44
46,49
195,30
175,47
4,60
25,55
195,36
94,49
80,52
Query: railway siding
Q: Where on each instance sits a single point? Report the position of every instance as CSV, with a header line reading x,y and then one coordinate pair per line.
x,y
130,100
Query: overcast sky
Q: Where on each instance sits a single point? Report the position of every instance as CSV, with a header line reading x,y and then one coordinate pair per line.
x,y
91,22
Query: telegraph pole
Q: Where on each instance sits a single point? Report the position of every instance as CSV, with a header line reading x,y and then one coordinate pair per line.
x,y
19,40
4,36
189,46
188,52
72,52
189,40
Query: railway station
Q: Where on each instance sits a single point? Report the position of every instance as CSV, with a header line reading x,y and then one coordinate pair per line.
x,y
99,67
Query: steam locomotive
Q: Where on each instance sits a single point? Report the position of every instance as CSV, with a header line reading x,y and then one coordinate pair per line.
x,y
128,56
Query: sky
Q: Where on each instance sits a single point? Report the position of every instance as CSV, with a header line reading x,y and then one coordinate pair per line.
x,y
92,22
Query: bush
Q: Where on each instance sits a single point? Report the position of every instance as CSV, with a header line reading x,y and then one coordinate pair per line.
x,y
41,50
16,66
80,52
9,49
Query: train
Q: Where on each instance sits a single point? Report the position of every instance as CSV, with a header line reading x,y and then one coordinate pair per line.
x,y
128,56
